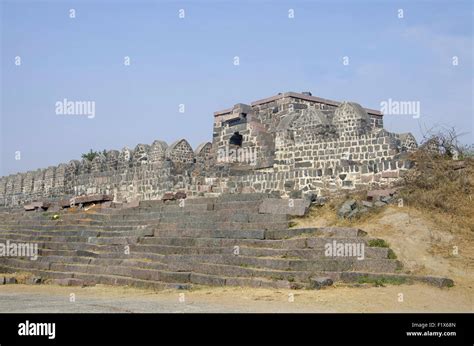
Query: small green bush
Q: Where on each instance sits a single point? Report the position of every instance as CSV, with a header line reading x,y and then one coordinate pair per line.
x,y
381,281
378,243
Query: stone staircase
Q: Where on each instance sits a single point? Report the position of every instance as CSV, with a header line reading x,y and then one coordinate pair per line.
x,y
221,241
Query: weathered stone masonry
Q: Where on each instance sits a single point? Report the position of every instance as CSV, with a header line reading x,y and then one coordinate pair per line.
x,y
287,144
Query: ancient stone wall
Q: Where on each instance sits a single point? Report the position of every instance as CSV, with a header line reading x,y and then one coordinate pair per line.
x,y
289,144
140,174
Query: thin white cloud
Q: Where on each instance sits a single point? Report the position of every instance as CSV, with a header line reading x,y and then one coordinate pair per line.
x,y
444,45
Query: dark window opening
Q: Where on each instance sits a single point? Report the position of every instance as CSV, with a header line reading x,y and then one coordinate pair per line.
x,y
243,115
236,139
235,121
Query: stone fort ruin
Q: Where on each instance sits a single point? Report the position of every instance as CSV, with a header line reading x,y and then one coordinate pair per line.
x,y
240,232
290,144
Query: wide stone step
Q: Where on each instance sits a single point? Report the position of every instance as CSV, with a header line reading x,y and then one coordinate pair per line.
x,y
81,232
348,264
194,247
150,219
122,269
310,242
170,250
187,238
147,215
22,237
77,227
152,207
211,233
70,246
321,231
133,272
125,261
189,224
105,252
256,282
131,220
238,206
178,223
72,253
175,240
153,257
133,282
189,201
224,270
369,252
390,278
230,217
130,262
34,233
47,274
101,279
320,265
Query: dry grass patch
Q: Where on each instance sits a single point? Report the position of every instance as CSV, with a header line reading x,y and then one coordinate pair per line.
x,y
442,187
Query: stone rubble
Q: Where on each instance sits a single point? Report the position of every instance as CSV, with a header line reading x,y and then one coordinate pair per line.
x,y
375,199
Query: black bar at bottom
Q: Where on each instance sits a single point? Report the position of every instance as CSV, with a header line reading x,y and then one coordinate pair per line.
x,y
221,329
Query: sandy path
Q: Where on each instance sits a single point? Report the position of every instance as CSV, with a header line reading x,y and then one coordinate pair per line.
x,y
416,298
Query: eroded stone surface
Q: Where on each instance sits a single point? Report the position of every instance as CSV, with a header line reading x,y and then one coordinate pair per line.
x,y
291,144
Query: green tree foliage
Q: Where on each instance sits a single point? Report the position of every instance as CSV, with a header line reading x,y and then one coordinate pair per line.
x,y
92,154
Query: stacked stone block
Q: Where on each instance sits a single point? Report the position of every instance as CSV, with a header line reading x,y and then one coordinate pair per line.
x,y
180,152
290,143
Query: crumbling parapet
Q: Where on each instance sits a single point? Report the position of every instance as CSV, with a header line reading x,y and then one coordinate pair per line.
x,y
283,144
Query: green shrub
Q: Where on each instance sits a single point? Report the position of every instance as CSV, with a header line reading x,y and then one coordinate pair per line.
x,y
92,154
381,281
378,243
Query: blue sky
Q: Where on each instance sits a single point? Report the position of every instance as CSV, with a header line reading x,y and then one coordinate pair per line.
x,y
190,61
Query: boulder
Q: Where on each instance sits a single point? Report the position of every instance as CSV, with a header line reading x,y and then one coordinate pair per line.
x,y
168,196
180,195
320,200
311,196
367,204
346,208
321,282
375,195
10,280
37,205
34,280
98,198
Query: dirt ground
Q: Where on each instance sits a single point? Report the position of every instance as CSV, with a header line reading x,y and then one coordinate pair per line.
x,y
424,245
416,298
